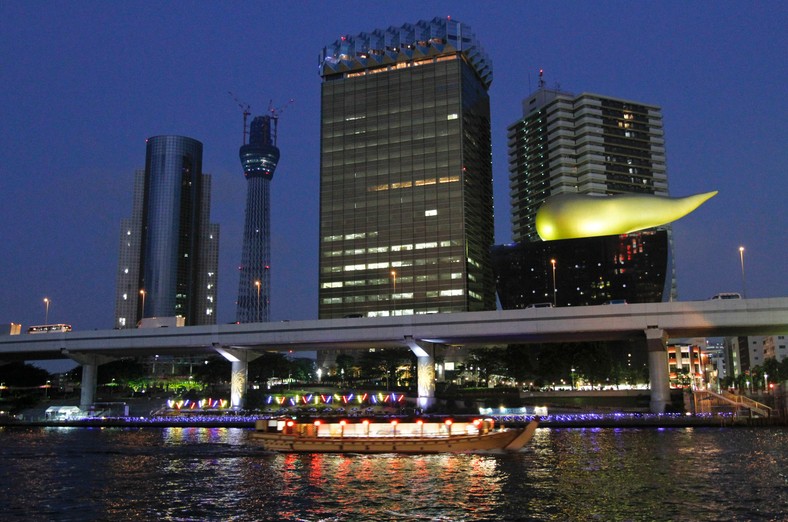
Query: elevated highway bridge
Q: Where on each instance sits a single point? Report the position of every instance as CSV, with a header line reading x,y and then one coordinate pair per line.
x,y
650,324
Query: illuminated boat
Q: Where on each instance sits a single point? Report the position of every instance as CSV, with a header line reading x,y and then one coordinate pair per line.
x,y
288,435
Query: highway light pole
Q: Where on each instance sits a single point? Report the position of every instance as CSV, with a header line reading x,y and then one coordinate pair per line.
x,y
394,289
743,280
257,315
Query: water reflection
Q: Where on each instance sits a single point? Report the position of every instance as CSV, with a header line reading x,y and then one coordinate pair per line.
x,y
565,474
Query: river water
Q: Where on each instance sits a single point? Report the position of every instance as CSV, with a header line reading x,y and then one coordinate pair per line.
x,y
185,474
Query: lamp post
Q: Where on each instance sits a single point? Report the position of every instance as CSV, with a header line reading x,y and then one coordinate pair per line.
x,y
46,308
743,280
394,289
257,315
142,313
766,383
555,303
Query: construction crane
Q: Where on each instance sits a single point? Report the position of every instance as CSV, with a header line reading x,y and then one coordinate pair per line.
x,y
276,112
245,107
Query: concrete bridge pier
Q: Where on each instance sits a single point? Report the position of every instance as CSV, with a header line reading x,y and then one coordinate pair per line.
x,y
90,364
425,371
656,343
239,376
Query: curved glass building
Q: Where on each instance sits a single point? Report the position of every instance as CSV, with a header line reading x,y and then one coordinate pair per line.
x,y
169,249
259,158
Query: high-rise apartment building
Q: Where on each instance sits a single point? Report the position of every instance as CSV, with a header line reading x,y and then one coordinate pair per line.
x,y
406,210
595,145
586,144
259,158
168,259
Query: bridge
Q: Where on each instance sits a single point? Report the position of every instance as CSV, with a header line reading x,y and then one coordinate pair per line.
x,y
649,324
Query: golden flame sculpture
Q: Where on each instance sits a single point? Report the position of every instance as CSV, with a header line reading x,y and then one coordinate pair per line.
x,y
572,216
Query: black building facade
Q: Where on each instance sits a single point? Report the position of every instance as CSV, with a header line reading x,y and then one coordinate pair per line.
x,y
579,272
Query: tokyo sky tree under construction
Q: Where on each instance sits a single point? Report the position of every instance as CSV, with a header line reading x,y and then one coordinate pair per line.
x,y
259,158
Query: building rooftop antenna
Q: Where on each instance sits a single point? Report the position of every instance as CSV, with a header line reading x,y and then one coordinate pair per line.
x,y
245,107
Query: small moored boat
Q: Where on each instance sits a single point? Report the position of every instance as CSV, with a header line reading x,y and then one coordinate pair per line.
x,y
288,435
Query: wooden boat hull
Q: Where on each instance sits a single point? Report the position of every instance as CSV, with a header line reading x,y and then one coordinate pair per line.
x,y
509,440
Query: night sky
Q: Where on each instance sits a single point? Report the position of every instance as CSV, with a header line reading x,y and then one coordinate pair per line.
x,y
85,83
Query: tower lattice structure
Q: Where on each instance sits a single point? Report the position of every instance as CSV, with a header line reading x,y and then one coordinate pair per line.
x,y
259,158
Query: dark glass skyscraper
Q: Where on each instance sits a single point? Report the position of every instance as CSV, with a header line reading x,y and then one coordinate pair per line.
x,y
406,213
169,249
259,158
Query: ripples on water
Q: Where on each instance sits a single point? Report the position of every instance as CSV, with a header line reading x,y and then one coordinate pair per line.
x,y
185,474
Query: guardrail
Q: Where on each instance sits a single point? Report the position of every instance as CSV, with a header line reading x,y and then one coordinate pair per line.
x,y
704,401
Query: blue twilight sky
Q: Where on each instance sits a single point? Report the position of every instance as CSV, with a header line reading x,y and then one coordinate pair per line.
x,y
85,83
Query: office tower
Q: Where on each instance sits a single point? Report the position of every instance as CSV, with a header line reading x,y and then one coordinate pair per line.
x,y
406,214
168,256
259,158
586,144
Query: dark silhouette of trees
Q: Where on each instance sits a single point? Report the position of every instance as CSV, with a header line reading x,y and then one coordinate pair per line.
x,y
121,371
382,364
23,375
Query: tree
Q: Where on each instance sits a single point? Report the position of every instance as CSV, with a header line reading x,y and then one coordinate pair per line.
x,y
552,364
593,361
383,364
302,369
518,362
344,363
23,375
773,369
121,371
487,361
215,370
268,365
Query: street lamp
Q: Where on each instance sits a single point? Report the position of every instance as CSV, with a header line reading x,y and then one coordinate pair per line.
x,y
555,303
142,293
765,383
743,281
394,290
257,315
46,308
